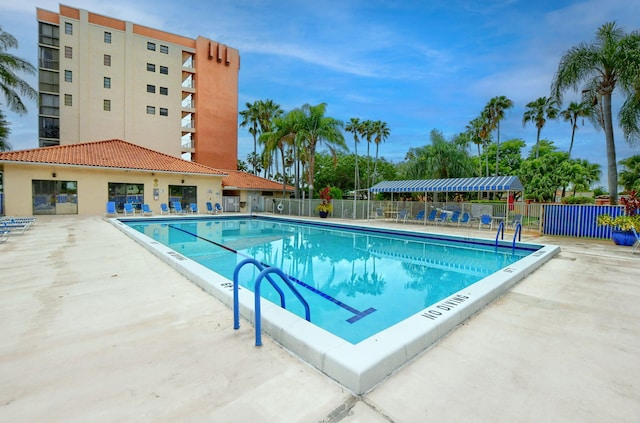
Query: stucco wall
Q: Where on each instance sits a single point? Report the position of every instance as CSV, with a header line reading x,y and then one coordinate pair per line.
x,y
93,186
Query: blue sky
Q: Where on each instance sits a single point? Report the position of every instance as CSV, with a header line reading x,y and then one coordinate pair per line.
x,y
417,65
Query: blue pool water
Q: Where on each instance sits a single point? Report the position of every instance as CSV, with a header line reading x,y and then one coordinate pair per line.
x,y
357,281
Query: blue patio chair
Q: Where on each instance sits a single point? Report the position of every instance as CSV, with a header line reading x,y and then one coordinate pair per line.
x,y
164,209
485,220
419,215
465,219
177,207
455,216
442,217
210,208
637,243
146,210
128,209
111,208
432,216
218,208
14,228
193,208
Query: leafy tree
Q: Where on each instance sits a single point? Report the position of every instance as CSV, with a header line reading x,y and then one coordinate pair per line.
x,y
441,159
630,173
611,61
544,175
582,174
538,112
510,158
495,113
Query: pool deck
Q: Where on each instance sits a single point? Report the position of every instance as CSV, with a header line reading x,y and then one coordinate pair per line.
x,y
96,328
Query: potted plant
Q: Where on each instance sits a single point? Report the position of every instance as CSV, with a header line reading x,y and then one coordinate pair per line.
x,y
325,207
621,225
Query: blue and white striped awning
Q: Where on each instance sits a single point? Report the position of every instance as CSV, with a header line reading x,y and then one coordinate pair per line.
x,y
485,184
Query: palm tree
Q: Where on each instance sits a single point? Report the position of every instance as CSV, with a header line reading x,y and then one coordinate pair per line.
x,y
282,138
354,126
611,61
381,133
11,85
495,112
316,128
476,131
630,174
538,112
250,118
268,110
572,113
4,133
366,131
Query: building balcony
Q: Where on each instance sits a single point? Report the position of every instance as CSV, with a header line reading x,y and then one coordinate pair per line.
x,y
188,126
188,147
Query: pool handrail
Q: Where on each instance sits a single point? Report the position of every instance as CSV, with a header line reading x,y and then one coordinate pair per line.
x,y
236,272
518,233
257,298
500,229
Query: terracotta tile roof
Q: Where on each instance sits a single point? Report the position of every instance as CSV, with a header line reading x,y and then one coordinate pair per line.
x,y
246,181
108,154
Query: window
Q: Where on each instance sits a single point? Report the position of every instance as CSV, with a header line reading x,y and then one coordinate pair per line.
x,y
151,67
164,49
49,81
49,58
68,100
151,110
151,89
49,34
107,37
107,60
151,46
107,82
68,28
106,105
68,76
49,127
164,112
49,104
164,70
164,90
68,52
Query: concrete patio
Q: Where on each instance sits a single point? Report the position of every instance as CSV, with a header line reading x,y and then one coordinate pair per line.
x,y
95,328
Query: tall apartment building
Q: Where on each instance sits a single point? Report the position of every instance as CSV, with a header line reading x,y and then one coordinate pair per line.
x,y
103,78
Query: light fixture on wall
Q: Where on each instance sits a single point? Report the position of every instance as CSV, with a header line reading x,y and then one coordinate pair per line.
x,y
53,175
183,181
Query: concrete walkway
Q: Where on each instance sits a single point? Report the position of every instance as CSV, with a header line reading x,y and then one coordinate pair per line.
x,y
95,328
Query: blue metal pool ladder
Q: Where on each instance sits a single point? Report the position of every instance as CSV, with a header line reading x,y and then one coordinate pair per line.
x,y
265,272
517,233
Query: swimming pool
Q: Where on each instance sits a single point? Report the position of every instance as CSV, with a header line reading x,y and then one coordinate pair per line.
x,y
377,296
